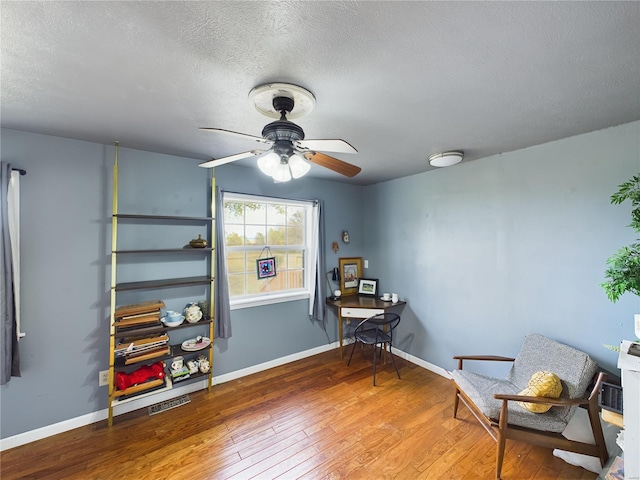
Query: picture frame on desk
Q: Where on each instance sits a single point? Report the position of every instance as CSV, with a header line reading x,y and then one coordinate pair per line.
x,y
368,286
350,273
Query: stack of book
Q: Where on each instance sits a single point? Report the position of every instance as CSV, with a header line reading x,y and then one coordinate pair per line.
x,y
138,349
144,338
138,315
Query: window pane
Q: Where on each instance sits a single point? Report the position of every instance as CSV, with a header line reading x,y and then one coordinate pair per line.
x,y
276,214
255,286
233,213
281,260
255,234
278,283
234,235
295,236
235,262
252,256
295,215
255,213
236,285
296,279
276,236
295,259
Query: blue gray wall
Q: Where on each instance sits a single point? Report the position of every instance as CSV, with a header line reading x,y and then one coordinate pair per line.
x,y
487,251
483,252
66,232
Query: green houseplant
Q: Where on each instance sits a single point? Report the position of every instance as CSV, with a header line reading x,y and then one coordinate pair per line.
x,y
623,271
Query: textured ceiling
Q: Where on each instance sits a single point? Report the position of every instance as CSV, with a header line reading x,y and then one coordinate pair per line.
x,y
398,80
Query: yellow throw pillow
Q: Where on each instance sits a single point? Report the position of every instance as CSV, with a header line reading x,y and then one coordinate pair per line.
x,y
541,384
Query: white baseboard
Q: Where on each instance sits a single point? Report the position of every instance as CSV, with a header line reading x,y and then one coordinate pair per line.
x,y
421,363
83,420
227,377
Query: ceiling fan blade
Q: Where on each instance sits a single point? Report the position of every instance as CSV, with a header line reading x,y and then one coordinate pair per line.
x,y
216,162
243,135
334,164
336,145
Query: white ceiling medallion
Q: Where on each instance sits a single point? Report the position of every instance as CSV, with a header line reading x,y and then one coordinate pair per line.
x,y
262,97
445,159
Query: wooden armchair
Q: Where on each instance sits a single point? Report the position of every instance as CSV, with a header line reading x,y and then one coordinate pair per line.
x,y
493,402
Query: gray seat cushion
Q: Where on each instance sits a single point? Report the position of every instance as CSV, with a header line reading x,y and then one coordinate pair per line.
x,y
538,353
480,390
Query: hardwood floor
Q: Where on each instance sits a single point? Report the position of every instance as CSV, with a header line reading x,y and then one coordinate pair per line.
x,y
315,419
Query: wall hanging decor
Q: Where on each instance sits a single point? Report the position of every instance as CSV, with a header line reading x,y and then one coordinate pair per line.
x,y
266,266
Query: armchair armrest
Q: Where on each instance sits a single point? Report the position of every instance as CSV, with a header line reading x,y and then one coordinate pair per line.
x,y
555,402
491,358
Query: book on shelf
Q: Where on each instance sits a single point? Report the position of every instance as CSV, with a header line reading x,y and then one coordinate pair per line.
x,y
144,340
139,319
139,308
140,329
147,355
126,347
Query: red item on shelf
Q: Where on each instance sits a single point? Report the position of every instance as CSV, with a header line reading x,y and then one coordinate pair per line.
x,y
141,375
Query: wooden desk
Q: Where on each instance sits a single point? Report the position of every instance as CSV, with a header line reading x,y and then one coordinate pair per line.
x,y
356,306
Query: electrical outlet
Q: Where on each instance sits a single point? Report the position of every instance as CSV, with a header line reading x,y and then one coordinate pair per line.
x,y
103,378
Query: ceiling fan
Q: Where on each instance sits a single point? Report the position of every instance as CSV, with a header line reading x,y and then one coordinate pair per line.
x,y
288,152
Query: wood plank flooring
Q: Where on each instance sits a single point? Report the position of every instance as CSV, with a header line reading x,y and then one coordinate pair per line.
x,y
315,418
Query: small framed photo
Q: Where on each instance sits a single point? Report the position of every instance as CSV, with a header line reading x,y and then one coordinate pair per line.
x,y
350,272
266,267
368,286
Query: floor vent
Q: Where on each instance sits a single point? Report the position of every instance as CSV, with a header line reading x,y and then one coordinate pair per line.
x,y
168,405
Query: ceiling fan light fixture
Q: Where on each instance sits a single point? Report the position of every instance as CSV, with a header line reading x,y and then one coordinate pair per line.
x,y
269,163
445,159
288,154
282,173
299,166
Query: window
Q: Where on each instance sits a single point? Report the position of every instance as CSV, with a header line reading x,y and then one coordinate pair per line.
x,y
258,227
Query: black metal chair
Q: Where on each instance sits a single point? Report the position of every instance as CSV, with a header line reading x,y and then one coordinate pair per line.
x,y
378,332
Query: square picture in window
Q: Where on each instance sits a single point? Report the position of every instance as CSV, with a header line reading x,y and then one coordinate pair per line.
x,y
266,267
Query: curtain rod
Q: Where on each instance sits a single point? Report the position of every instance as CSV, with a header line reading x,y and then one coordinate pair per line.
x,y
314,201
22,172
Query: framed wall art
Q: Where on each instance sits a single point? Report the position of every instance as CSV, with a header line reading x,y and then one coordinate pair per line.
x,y
266,267
368,286
350,273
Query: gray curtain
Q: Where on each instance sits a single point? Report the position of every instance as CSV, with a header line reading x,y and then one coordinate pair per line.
x,y
319,306
222,310
9,354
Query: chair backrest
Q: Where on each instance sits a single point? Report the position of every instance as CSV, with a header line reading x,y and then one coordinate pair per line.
x,y
574,368
383,322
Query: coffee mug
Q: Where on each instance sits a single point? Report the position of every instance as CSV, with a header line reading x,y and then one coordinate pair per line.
x,y
394,297
178,363
386,296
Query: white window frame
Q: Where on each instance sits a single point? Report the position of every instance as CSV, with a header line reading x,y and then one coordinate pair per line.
x,y
254,300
